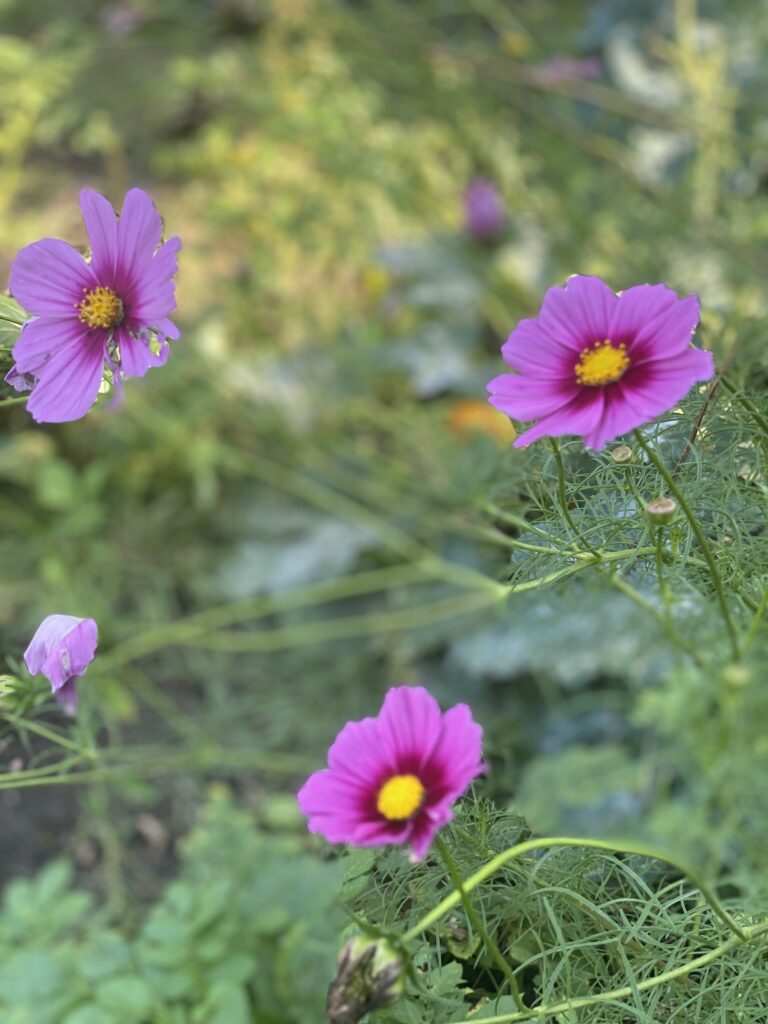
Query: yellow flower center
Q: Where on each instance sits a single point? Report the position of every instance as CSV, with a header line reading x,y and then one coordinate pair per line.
x,y
101,307
400,797
601,363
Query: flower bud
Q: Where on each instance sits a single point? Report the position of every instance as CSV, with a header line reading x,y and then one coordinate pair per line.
x,y
622,454
661,511
368,977
484,213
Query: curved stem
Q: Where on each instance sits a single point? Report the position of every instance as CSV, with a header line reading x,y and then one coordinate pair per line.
x,y
628,990
562,495
513,852
701,537
477,924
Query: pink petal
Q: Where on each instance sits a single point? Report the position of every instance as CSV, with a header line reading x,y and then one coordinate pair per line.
x,y
136,357
49,277
101,225
580,313
426,828
40,338
334,805
533,351
409,727
67,698
358,751
63,646
653,322
139,230
68,384
457,758
658,385
526,398
580,416
618,418
166,328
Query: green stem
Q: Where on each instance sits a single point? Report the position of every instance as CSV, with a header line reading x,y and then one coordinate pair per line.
x,y
21,400
474,919
756,620
627,991
701,537
555,446
513,852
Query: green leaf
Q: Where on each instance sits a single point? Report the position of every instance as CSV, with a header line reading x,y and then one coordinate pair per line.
x,y
128,996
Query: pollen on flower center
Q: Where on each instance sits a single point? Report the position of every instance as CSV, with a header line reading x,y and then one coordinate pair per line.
x,y
601,363
400,797
101,307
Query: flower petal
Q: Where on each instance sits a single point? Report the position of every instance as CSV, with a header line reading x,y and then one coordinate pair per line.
x,y
334,805
580,416
63,647
138,233
101,225
136,356
533,351
653,322
358,751
457,757
68,383
409,727
40,338
659,384
524,398
49,277
426,828
67,697
580,313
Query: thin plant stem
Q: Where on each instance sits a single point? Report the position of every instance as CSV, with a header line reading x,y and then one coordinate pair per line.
x,y
756,620
554,444
701,537
553,1010
520,849
474,918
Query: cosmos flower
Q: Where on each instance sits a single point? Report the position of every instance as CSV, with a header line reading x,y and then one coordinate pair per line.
x,y
61,649
393,779
484,213
112,311
597,364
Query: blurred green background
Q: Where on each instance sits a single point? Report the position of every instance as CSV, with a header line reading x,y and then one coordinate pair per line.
x,y
291,515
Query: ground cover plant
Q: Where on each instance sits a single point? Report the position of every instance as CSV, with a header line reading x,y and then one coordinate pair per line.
x,y
383,512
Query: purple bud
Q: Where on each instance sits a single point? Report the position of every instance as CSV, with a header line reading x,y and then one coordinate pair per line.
x,y
61,649
484,213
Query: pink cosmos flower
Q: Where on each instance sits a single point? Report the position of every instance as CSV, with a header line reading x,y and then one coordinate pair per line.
x,y
393,779
61,649
597,364
484,213
110,311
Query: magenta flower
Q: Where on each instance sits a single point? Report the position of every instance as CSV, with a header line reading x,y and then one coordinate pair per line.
x,y
112,311
393,779
62,649
596,364
484,213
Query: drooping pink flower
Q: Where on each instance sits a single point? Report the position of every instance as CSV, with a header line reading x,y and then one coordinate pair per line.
x,y
597,364
61,649
394,779
110,311
484,212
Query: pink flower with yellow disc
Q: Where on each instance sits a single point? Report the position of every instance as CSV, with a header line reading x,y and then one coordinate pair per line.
x,y
110,312
394,779
597,364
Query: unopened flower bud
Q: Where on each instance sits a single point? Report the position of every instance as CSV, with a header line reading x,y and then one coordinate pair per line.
x,y
369,976
622,454
661,511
